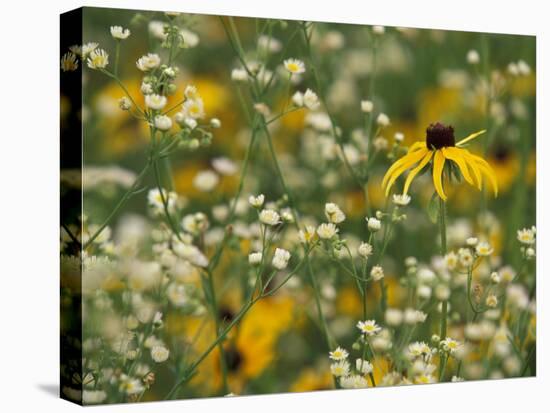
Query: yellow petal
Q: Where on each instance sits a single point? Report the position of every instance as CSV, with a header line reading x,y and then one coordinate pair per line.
x,y
481,166
470,137
417,145
472,165
405,160
490,174
456,155
439,163
408,160
416,170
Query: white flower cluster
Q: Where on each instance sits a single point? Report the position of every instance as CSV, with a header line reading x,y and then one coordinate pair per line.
x,y
341,369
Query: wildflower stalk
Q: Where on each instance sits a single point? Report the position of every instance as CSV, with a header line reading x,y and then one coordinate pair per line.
x,y
322,98
444,303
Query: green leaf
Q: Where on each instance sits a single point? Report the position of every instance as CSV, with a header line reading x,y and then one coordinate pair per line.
x,y
433,208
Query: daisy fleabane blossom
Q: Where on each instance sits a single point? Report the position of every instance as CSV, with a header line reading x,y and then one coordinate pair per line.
x,y
450,345
333,213
280,258
327,231
193,108
160,354
373,224
401,199
311,100
148,62
119,33
338,354
86,49
377,273
270,217
295,66
340,368
355,381
155,102
98,59
363,366
124,103
365,250
527,235
367,106
256,201
163,122
483,249
69,62
206,180
154,199
255,258
368,327
307,235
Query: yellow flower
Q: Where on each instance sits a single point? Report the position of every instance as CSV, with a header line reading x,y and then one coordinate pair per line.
x,y
440,145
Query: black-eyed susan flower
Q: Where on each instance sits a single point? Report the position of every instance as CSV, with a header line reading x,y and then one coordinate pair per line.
x,y
440,146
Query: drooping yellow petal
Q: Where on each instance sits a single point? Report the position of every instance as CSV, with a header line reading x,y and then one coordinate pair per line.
x,y
410,160
481,166
470,137
416,146
490,174
439,163
472,165
456,155
416,170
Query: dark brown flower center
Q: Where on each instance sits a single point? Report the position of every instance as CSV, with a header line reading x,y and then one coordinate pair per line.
x,y
439,136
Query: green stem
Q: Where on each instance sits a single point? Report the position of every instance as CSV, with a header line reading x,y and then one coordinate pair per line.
x,y
217,325
444,304
117,52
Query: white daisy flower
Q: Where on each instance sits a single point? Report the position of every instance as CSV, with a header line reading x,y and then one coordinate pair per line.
x,y
365,250
368,327
401,199
155,102
333,213
206,181
483,249
363,366
338,354
269,217
311,100
280,258
295,66
256,201
327,231
163,122
119,33
377,273
373,224
160,354
340,368
354,381
527,235
367,106
98,59
148,62
255,258
69,62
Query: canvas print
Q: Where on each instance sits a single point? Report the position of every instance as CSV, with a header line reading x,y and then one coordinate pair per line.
x,y
254,206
